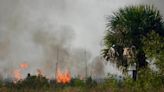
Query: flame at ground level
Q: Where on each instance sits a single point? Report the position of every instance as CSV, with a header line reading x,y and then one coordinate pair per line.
x,y
63,77
17,75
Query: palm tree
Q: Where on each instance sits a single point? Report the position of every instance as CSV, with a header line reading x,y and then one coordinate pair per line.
x,y
126,29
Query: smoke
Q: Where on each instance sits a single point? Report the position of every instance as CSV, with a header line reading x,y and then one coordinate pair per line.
x,y
56,46
96,67
44,32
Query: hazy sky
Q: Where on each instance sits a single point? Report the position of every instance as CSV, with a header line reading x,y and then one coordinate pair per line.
x,y
30,28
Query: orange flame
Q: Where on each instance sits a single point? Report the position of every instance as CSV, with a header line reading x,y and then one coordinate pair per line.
x,y
63,78
23,66
17,75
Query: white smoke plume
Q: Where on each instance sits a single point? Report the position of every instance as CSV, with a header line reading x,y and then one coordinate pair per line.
x,y
43,32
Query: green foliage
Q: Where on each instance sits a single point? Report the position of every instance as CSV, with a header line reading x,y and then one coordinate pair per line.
x,y
139,26
148,81
134,26
127,25
32,82
77,83
153,44
90,82
110,82
154,49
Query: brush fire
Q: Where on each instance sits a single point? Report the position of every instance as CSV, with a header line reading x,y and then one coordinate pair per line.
x,y
60,76
63,77
17,75
17,72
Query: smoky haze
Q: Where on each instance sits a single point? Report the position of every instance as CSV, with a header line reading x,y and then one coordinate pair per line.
x,y
44,32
